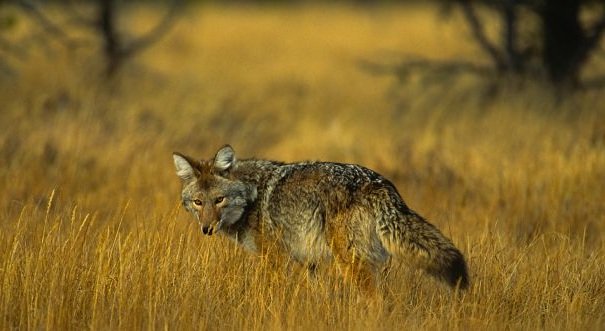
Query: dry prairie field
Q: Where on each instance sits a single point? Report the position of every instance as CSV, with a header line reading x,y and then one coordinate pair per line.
x,y
92,234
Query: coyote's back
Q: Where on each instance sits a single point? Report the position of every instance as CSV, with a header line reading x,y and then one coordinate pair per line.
x,y
313,211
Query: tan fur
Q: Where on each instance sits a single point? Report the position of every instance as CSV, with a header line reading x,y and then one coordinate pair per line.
x,y
315,211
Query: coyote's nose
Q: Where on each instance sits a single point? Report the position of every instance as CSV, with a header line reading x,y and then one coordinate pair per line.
x,y
207,230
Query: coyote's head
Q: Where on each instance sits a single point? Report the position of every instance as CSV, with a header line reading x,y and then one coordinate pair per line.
x,y
210,192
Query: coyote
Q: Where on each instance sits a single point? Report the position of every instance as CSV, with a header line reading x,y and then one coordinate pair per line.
x,y
312,211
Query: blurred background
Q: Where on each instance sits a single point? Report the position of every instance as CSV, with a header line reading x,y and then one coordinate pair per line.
x,y
456,98
489,116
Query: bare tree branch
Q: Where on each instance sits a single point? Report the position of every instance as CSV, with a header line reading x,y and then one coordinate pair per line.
x,y
406,68
116,49
594,37
445,67
156,33
479,33
77,18
48,25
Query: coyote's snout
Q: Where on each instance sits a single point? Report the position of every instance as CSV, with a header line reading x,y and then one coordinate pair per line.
x,y
315,211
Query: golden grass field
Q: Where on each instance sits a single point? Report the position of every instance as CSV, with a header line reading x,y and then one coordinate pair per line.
x,y
92,235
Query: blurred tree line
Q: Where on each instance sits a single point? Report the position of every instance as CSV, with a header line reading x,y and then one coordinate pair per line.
x,y
97,16
550,40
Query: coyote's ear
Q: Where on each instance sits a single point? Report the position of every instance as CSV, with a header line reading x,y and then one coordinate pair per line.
x,y
224,159
184,167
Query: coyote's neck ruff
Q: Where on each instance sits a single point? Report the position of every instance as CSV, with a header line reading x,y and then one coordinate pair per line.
x,y
315,210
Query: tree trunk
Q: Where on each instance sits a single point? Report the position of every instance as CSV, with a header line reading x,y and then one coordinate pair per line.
x,y
510,36
563,41
112,47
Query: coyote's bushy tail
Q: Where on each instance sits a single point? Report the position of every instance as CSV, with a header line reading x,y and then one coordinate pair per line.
x,y
424,246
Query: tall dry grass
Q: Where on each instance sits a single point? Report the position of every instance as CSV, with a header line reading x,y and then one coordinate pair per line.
x,y
93,237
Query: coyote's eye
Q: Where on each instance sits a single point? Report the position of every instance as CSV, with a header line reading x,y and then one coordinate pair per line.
x,y
219,200
197,202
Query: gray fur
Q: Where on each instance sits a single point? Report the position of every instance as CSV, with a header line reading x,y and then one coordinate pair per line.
x,y
312,211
